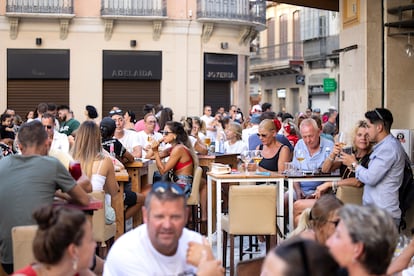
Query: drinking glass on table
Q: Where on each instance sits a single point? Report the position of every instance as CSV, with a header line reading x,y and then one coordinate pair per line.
x,y
246,157
207,142
300,156
257,157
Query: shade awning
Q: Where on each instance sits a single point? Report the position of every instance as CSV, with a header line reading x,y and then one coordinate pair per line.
x,y
332,5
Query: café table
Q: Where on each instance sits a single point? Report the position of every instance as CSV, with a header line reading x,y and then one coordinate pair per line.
x,y
237,177
207,160
122,177
138,171
300,177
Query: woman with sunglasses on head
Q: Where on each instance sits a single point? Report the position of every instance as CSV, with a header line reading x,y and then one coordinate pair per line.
x,y
274,153
182,159
361,148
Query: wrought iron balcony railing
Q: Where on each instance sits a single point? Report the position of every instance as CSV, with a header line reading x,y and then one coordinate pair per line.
x,y
39,7
243,11
144,8
277,58
279,52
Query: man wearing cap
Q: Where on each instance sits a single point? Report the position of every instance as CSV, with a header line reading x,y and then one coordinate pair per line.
x,y
385,171
128,138
317,111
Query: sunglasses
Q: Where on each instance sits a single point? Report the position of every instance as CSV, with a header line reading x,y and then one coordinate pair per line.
x,y
113,112
261,135
163,187
378,114
48,126
165,133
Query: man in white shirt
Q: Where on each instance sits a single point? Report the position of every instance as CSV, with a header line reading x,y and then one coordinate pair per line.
x,y
128,138
59,140
146,136
208,120
160,246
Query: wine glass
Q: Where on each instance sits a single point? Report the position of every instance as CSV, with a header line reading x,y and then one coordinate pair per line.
x,y
257,157
246,157
300,156
342,139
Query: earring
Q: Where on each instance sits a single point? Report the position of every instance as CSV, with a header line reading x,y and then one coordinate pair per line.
x,y
75,264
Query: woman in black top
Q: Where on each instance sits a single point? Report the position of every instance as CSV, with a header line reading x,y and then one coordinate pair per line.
x,y
274,153
361,148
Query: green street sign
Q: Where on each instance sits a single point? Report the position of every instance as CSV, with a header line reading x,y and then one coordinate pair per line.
x,y
329,85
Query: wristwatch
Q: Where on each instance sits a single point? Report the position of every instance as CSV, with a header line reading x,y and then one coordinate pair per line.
x,y
354,165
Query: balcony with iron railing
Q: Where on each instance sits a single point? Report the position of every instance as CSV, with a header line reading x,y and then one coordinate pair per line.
x,y
134,9
40,8
277,59
62,10
241,12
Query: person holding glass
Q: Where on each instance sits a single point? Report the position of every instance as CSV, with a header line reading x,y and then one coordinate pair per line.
x,y
361,148
274,154
310,152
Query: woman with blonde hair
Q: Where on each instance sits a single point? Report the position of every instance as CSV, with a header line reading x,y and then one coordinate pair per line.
x,y
319,222
97,166
234,142
274,153
361,148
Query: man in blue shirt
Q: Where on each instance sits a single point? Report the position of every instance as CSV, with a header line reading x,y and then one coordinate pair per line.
x,y
315,149
385,171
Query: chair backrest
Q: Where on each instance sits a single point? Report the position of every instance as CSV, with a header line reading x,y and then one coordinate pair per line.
x,y
22,238
350,195
194,198
250,267
252,209
99,227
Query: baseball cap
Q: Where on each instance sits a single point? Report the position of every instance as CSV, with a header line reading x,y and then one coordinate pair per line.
x,y
107,126
317,110
255,119
256,108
